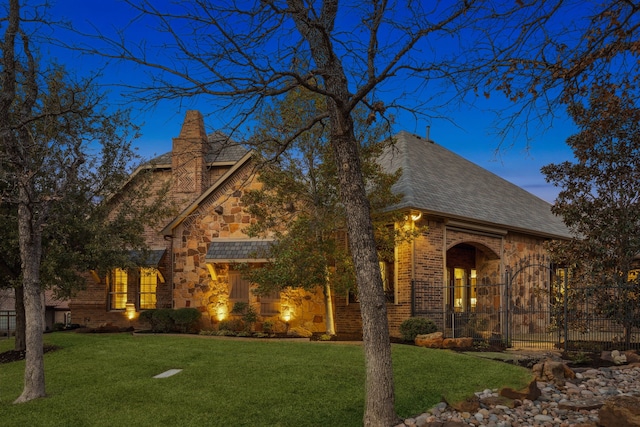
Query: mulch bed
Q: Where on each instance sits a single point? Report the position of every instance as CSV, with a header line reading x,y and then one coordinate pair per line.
x,y
15,355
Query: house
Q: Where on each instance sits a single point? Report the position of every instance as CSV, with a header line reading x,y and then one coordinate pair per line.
x,y
474,225
192,261
56,311
478,228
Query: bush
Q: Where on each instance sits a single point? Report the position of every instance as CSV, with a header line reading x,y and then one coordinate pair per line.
x,y
414,326
171,320
234,325
162,320
268,326
186,319
249,314
147,316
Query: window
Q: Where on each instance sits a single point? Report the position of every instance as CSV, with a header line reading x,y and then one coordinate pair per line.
x,y
118,290
148,286
388,280
270,304
239,288
7,322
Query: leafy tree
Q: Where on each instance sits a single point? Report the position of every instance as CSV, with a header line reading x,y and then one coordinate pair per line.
x,y
299,206
544,62
61,153
600,202
375,53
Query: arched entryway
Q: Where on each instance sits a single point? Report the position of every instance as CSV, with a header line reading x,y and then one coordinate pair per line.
x,y
468,265
470,270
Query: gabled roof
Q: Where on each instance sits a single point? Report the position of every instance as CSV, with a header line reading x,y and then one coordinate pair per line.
x,y
168,229
439,182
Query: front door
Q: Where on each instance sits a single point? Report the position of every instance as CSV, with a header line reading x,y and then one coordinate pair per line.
x,y
462,293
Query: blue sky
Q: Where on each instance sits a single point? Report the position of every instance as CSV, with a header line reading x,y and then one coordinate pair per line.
x,y
472,136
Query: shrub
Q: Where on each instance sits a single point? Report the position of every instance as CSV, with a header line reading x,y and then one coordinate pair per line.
x,y
147,317
185,319
300,332
162,320
267,326
58,326
414,326
249,314
234,325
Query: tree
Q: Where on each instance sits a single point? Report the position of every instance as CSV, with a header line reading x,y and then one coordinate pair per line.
x,y
61,153
298,204
242,54
544,62
600,202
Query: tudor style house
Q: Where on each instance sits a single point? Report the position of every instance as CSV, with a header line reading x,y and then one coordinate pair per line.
x,y
475,227
192,260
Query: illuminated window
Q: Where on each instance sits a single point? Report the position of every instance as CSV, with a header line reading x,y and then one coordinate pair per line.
x,y
462,295
388,280
118,290
148,286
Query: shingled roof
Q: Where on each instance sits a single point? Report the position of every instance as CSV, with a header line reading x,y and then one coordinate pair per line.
x,y
243,250
222,149
439,182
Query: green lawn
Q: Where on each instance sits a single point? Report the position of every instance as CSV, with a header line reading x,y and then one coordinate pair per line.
x,y
106,380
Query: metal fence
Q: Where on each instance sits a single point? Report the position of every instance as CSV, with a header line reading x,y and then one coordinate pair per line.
x,y
535,307
7,323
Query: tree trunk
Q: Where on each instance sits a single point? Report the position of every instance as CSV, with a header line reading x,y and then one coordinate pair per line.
x,y
328,304
380,399
20,343
379,387
30,237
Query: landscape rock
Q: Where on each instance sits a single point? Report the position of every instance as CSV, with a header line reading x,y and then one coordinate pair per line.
x,y
471,404
553,371
531,392
620,411
577,403
457,343
433,340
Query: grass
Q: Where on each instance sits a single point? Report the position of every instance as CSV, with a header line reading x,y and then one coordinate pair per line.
x,y
106,380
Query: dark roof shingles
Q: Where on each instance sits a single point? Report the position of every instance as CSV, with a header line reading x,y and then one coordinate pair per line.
x,y
437,180
238,250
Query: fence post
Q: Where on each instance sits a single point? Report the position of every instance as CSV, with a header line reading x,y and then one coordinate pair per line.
x,y
507,303
566,308
413,298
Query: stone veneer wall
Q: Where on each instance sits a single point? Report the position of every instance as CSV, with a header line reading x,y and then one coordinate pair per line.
x,y
530,287
193,284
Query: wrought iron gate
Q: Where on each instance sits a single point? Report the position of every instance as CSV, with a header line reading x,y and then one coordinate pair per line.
x,y
533,307
520,311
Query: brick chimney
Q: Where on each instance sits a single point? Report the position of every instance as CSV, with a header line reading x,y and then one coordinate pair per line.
x,y
188,162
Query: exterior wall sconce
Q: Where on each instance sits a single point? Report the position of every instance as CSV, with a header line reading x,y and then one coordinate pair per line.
x,y
416,216
130,310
